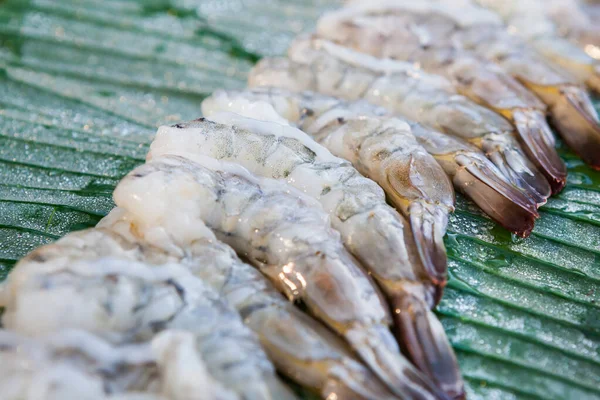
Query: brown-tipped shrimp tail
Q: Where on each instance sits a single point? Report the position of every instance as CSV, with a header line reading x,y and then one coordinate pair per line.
x,y
518,170
538,142
428,224
576,120
379,351
503,202
426,345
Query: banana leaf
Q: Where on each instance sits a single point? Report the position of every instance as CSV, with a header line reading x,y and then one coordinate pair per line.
x,y
84,84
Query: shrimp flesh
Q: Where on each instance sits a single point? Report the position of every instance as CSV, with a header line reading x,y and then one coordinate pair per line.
x,y
103,291
288,237
75,364
433,101
282,152
300,347
453,40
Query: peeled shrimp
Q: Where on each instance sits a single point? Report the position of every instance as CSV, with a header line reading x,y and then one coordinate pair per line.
x,y
447,41
283,152
99,288
433,101
287,236
75,364
300,347
543,24
427,203
294,76
371,230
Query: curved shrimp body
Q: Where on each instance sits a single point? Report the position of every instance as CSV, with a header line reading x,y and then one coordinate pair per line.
x,y
75,364
291,75
300,347
433,101
126,301
288,237
436,38
429,190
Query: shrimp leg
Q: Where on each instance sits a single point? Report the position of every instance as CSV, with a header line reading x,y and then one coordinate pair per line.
x,y
287,236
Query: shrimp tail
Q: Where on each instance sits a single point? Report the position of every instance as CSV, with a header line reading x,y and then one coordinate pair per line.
x,y
539,144
428,223
577,121
426,345
480,180
518,170
379,350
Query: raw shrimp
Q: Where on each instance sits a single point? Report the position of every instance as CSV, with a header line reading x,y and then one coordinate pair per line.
x,y
103,291
277,151
427,201
287,235
75,364
371,230
445,41
543,24
300,347
433,101
523,210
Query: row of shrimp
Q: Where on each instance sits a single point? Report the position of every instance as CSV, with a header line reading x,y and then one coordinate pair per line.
x,y
159,284
297,229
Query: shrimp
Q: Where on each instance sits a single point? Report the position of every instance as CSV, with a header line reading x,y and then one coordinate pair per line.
x,y
75,364
285,153
561,30
126,301
431,192
448,40
287,236
433,101
300,347
523,210
371,230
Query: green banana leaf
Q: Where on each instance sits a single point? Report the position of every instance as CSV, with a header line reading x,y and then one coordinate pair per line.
x,y
85,83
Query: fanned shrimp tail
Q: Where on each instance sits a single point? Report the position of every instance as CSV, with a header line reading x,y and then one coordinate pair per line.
x,y
484,184
538,142
518,170
378,349
428,223
576,120
425,343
